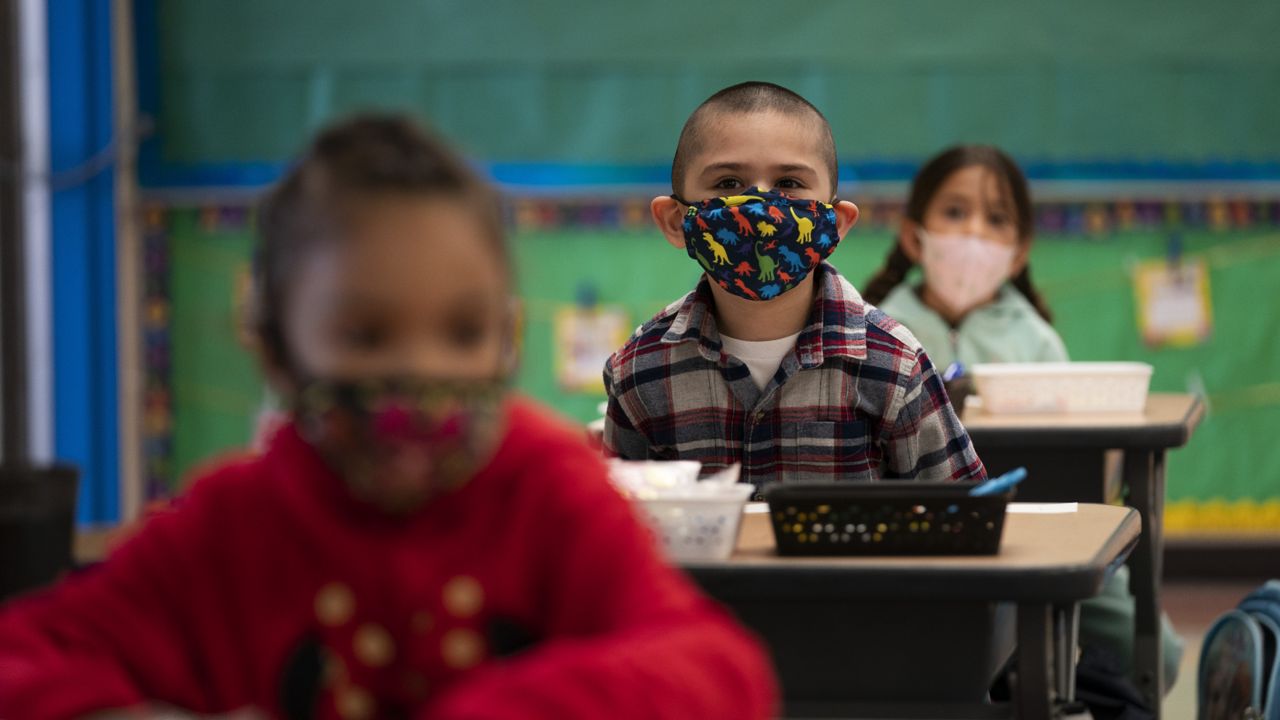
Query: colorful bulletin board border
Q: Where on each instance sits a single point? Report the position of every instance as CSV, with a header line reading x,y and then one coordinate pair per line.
x,y
157,415
1091,218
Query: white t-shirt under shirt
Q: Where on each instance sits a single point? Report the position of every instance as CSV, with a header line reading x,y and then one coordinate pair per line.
x,y
762,357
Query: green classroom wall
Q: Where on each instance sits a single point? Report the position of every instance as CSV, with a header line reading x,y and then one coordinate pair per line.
x,y
611,83
215,387
1233,456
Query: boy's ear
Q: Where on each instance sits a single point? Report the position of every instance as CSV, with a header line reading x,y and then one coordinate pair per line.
x,y
909,240
846,217
668,215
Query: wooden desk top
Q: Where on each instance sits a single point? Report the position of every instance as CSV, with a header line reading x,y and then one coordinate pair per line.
x,y
1167,422
91,544
1042,557
1067,554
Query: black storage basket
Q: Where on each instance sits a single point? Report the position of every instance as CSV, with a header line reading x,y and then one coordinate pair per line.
x,y
37,512
885,518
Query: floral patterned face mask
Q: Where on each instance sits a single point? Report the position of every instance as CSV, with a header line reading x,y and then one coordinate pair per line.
x,y
760,244
398,442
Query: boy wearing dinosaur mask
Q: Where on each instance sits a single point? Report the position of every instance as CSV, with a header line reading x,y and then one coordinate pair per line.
x,y
774,360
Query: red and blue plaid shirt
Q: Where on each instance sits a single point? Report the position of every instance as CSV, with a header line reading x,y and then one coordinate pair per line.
x,y
856,399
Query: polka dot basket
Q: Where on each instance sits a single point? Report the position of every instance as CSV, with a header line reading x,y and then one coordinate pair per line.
x,y
885,518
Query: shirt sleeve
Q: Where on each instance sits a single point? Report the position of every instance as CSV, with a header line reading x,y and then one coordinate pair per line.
x,y
621,438
632,638
924,437
1052,349
115,635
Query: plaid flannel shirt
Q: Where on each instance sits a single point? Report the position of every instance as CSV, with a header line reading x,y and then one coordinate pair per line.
x,y
856,399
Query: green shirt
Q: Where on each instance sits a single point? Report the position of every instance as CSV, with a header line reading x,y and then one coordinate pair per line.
x,y
1007,329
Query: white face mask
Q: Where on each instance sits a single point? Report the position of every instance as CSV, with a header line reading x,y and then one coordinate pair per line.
x,y
964,270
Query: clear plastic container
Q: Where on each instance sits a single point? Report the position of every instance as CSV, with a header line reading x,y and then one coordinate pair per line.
x,y
644,479
701,522
1080,387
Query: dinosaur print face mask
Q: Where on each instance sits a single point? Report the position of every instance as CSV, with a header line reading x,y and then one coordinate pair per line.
x,y
761,244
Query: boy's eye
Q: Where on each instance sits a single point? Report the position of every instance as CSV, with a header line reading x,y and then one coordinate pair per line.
x,y
998,219
954,212
365,337
789,184
728,183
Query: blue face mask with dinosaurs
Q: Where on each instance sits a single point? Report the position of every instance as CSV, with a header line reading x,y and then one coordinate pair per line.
x,y
761,244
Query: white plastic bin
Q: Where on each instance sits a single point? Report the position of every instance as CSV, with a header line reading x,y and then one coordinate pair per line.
x,y
701,525
643,479
1081,387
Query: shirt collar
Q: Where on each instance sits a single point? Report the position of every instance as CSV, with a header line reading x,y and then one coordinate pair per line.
x,y
836,326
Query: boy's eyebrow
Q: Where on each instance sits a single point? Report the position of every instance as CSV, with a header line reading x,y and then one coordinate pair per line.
x,y
738,167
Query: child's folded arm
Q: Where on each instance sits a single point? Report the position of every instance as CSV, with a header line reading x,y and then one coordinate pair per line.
x,y
41,678
64,654
698,666
87,644
627,635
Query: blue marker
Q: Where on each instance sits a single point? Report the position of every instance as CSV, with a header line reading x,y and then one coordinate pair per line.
x,y
953,371
996,486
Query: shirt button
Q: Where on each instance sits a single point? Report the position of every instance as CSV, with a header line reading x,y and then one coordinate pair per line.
x,y
759,415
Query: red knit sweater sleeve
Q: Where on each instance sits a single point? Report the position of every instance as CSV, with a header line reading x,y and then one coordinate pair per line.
x,y
632,637
88,643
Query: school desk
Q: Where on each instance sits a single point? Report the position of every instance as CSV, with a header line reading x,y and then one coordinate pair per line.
x,y
922,636
1065,458
90,544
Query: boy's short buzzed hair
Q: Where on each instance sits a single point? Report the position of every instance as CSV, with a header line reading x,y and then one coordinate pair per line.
x,y
748,97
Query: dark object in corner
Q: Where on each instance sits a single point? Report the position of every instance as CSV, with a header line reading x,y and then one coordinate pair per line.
x,y
37,513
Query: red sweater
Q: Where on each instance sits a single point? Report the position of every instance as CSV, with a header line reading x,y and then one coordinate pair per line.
x,y
269,582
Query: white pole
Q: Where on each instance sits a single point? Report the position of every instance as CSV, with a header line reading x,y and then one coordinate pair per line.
x,y
34,91
129,261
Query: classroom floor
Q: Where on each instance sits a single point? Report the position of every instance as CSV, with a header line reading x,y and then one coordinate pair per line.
x,y
1193,605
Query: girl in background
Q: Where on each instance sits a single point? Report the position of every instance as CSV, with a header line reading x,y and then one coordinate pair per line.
x,y
969,227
